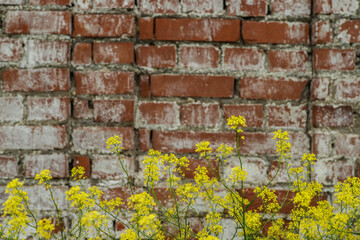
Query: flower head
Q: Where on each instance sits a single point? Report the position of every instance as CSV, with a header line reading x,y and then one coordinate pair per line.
x,y
44,228
44,177
236,123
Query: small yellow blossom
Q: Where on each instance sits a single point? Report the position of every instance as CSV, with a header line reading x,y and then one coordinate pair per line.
x,y
237,174
236,123
203,148
45,228
129,235
44,177
78,173
114,144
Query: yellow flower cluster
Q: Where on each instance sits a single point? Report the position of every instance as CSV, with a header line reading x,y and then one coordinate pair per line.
x,y
236,123
44,177
114,144
203,148
283,147
77,173
237,174
45,228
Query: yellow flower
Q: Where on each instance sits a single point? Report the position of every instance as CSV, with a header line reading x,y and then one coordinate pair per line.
x,y
79,198
44,177
78,173
224,150
236,122
203,148
237,174
128,235
45,228
93,219
114,144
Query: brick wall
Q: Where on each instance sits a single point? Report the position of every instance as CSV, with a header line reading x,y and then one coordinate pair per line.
x,y
165,74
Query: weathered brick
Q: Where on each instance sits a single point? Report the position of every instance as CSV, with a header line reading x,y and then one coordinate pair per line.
x,y
101,25
144,139
319,88
287,116
33,137
113,110
253,113
275,32
42,108
207,114
81,109
330,116
287,61
255,143
8,167
271,88
321,32
10,50
192,86
104,82
44,52
345,7
36,22
203,6
159,6
144,86
291,8
39,197
44,80
349,31
218,30
347,145
199,57
156,56
348,90
94,138
334,59
244,59
114,4
120,52
83,161
213,169
109,167
330,172
321,144
166,113
146,28
11,109
10,2
247,8
82,53
83,4
50,2
56,163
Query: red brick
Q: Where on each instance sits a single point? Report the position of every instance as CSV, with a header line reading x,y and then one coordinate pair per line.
x,y
83,161
54,108
329,172
43,80
82,53
10,49
247,8
113,110
321,144
114,4
56,163
44,52
319,88
199,57
159,6
334,59
291,8
144,86
120,52
256,168
275,32
321,32
287,116
253,113
10,2
271,88
244,59
108,167
8,167
83,4
94,138
156,56
12,109
255,143
349,31
146,28
157,113
217,30
109,25
81,109
192,86
113,192
330,116
200,114
203,6
345,7
33,137
50,2
144,139
347,145
36,22
104,82
287,61
348,90
213,170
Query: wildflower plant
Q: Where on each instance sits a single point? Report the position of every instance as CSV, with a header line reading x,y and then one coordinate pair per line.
x,y
145,215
